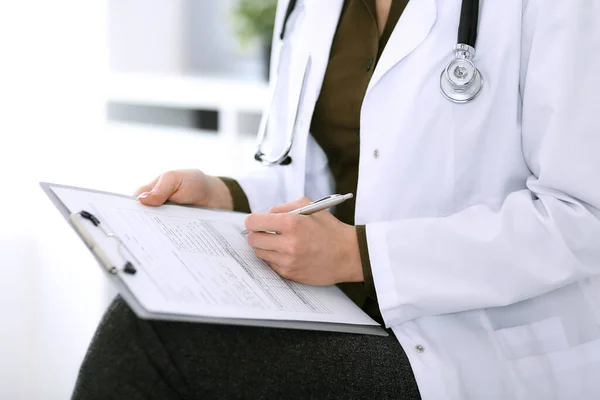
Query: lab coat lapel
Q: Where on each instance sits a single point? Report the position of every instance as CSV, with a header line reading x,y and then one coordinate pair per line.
x,y
411,30
320,25
322,18
318,29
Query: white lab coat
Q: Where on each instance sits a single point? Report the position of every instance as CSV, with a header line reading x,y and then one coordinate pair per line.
x,y
482,219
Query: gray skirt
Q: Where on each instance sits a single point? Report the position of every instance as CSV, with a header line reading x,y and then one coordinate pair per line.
x,y
130,358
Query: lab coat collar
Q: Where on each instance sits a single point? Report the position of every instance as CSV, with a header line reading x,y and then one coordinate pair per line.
x,y
412,29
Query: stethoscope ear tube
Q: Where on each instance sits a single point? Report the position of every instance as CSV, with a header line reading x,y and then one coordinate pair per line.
x,y
260,156
288,13
284,157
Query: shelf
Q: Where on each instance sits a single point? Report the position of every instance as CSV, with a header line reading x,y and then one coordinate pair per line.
x,y
188,92
152,149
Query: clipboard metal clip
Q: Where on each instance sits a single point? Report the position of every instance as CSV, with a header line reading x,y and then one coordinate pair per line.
x,y
76,220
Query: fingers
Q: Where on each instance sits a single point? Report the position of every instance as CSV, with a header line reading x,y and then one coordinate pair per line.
x,y
277,219
266,241
280,270
264,222
276,261
280,223
287,207
166,184
146,188
272,257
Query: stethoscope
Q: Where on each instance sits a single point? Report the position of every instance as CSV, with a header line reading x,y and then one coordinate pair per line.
x,y
460,81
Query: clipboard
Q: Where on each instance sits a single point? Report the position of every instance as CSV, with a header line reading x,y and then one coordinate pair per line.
x,y
115,260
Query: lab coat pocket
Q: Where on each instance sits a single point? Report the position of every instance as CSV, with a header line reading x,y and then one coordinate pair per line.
x,y
572,373
540,337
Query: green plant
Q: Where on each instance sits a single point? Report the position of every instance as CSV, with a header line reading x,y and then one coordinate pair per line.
x,y
254,19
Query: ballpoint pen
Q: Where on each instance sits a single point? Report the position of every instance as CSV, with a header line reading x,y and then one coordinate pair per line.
x,y
318,205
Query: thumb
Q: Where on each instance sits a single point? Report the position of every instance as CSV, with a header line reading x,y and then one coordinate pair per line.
x,y
167,184
146,188
287,207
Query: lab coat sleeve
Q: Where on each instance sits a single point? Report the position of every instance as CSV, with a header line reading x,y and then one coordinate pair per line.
x,y
541,238
264,188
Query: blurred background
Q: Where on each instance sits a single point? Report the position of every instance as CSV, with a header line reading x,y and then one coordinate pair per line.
x,y
106,94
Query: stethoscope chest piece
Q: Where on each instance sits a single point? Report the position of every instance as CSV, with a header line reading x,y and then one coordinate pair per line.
x,y
461,81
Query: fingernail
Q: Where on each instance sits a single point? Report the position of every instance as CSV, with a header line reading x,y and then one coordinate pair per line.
x,y
143,195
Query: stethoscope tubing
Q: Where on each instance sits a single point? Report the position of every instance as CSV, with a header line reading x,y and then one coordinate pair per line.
x,y
469,21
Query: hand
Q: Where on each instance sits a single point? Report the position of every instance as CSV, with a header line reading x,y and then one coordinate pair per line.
x,y
316,249
187,186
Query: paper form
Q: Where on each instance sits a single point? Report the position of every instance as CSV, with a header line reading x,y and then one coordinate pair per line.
x,y
196,262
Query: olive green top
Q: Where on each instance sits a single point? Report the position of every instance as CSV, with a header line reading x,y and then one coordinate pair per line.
x,y
355,51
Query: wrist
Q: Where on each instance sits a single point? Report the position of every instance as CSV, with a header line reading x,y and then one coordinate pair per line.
x,y
219,195
351,257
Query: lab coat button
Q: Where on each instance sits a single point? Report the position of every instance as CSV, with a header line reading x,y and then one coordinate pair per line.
x,y
376,153
420,348
370,62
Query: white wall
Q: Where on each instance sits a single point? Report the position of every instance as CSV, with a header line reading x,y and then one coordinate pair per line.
x,y
147,36
213,46
177,36
52,68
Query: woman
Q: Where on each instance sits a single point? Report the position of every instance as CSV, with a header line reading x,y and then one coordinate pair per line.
x,y
474,237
